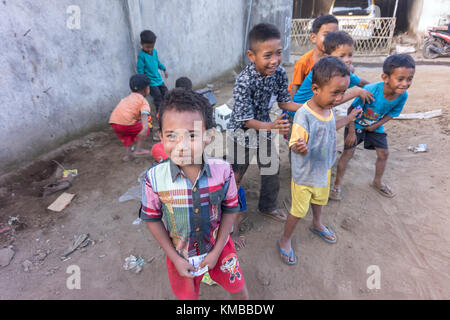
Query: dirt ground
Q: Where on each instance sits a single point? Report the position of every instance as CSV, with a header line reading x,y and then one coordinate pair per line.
x,y
406,237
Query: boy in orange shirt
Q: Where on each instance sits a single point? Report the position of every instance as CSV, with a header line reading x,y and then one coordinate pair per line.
x,y
130,119
320,28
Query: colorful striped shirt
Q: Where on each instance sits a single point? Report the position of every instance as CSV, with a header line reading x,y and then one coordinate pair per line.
x,y
191,212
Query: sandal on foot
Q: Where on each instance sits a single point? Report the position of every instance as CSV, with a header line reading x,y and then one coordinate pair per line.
x,y
276,214
288,255
325,235
335,194
384,190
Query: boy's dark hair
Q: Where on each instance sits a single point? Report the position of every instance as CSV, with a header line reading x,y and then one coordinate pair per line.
x,y
139,82
320,21
148,36
327,68
398,61
334,40
183,82
261,33
180,99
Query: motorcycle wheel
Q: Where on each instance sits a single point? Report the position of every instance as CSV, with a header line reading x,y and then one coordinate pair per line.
x,y
430,54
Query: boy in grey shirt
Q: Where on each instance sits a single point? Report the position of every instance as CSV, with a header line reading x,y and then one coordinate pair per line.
x,y
313,145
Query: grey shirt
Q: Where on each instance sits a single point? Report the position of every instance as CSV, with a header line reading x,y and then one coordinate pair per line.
x,y
311,169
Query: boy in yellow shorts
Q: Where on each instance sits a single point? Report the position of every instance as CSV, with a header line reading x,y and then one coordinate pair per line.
x,y
313,145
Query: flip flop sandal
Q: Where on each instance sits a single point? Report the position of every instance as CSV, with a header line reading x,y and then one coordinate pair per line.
x,y
324,234
288,255
142,153
55,187
384,190
335,194
276,215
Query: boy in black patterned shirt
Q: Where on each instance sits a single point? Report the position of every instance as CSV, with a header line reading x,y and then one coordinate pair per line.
x,y
257,87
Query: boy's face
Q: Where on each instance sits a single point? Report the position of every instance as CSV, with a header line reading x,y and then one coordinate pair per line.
x,y
331,93
345,53
399,80
148,47
184,137
319,37
266,55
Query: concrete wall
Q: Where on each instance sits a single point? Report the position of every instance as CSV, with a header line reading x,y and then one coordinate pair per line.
x,y
426,14
278,12
59,83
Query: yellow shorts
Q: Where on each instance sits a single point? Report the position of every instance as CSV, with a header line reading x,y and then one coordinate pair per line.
x,y
302,196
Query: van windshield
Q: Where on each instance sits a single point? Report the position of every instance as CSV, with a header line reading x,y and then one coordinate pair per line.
x,y
351,8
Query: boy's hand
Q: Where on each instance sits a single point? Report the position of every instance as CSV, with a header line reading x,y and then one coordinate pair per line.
x,y
166,74
371,128
355,114
300,147
281,124
366,96
183,267
210,260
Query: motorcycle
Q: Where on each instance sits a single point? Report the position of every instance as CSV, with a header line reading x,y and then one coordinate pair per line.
x,y
436,44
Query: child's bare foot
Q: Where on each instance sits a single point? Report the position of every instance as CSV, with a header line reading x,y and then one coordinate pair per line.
x,y
239,241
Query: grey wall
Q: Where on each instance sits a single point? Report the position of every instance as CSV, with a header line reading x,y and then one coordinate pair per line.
x,y
58,83
278,12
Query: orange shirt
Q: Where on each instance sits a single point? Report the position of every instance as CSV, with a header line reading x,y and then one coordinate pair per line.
x,y
129,110
302,68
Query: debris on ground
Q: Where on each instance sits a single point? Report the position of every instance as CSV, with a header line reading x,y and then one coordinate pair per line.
x,y
27,265
420,115
6,255
404,49
80,241
420,148
61,202
137,221
136,263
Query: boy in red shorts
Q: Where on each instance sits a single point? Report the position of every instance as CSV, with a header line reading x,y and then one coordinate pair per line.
x,y
131,120
196,195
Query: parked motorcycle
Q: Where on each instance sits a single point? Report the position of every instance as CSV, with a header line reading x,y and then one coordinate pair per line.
x,y
436,44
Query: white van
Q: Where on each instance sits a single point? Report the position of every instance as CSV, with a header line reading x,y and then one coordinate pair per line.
x,y
356,17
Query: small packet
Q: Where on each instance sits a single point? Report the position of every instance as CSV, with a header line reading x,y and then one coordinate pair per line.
x,y
195,261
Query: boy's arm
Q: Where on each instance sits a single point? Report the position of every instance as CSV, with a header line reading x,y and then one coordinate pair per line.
x,y
294,89
140,64
279,124
144,121
290,106
362,83
375,126
355,113
366,96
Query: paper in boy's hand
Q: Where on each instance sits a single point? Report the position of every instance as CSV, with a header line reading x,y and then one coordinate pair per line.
x,y
195,261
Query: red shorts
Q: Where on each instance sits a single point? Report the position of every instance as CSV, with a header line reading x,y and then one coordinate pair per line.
x,y
227,273
128,134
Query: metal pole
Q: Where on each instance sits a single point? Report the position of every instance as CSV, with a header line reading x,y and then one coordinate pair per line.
x,y
395,9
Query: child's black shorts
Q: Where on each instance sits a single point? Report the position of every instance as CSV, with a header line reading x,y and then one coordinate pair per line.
x,y
371,140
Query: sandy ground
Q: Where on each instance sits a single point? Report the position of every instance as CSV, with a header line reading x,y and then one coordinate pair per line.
x,y
406,237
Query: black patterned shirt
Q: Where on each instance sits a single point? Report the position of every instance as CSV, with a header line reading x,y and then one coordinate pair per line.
x,y
254,95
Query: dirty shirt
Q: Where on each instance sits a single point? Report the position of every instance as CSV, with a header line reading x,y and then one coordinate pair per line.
x,y
130,109
376,110
254,95
311,169
191,212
